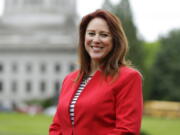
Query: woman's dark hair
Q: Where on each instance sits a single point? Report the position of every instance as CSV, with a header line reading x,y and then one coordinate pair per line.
x,y
116,58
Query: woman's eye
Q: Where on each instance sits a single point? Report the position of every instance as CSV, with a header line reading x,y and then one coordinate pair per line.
x,y
103,35
91,33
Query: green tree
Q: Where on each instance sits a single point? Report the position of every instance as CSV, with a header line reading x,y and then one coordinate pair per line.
x,y
108,5
166,70
123,11
151,50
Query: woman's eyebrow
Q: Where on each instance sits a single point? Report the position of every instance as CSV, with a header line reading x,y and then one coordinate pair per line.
x,y
100,31
90,30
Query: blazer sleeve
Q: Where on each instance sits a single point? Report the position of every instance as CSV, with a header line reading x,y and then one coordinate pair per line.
x,y
129,105
55,127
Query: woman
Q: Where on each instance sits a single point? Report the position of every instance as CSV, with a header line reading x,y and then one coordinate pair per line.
x,y
103,97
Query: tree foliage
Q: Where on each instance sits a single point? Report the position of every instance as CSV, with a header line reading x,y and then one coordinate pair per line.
x,y
166,70
151,50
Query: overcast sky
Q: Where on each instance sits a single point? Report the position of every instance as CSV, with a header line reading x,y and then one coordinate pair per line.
x,y
152,17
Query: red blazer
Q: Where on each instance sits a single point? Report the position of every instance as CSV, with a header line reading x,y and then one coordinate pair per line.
x,y
105,107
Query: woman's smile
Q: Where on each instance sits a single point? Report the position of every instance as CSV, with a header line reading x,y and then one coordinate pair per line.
x,y
96,48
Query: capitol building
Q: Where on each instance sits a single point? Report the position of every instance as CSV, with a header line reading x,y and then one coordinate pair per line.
x,y
38,40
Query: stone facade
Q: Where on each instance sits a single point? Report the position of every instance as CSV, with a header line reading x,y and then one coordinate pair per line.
x,y
37,48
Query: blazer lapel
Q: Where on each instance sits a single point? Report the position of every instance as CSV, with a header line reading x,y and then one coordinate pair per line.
x,y
72,90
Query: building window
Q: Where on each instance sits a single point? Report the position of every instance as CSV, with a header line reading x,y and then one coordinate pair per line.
x,y
57,68
28,86
14,86
1,86
43,86
1,67
71,67
43,68
14,67
57,86
29,67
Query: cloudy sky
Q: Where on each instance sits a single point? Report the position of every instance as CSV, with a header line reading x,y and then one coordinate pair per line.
x,y
152,17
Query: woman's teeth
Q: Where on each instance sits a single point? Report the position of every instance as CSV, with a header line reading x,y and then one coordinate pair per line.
x,y
96,47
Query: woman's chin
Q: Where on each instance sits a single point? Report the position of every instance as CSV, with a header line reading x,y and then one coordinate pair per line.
x,y
96,58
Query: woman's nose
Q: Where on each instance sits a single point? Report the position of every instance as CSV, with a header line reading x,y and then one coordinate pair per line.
x,y
96,38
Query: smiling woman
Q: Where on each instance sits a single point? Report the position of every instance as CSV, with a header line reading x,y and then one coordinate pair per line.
x,y
104,96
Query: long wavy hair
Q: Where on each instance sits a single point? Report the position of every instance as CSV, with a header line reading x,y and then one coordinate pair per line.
x,y
116,57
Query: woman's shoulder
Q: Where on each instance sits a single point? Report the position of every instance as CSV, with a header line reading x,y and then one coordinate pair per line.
x,y
129,71
72,75
127,74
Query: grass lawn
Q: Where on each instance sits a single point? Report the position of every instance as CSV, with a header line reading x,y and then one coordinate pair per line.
x,y
21,124
161,126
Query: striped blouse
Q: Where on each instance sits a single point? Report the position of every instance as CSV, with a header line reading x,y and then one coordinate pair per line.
x,y
76,96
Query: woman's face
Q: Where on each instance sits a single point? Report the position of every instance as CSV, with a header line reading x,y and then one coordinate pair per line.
x,y
98,39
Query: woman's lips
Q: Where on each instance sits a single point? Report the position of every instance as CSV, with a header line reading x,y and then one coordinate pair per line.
x,y
97,48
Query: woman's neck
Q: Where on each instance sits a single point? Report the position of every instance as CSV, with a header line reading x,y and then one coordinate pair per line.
x,y
94,67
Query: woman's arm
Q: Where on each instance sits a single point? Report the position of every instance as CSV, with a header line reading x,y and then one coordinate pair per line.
x,y
129,105
55,127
